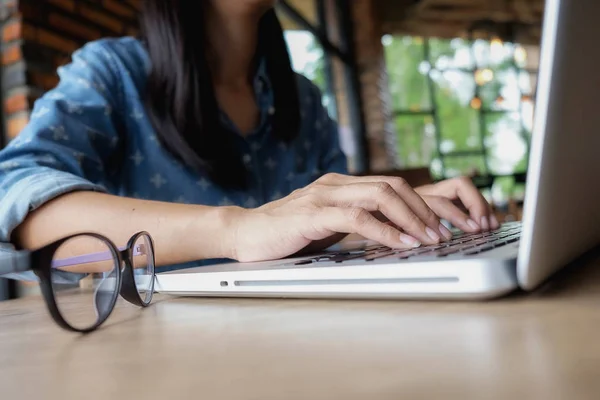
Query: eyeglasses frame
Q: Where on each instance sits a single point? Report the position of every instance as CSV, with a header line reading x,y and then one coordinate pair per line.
x,y
40,262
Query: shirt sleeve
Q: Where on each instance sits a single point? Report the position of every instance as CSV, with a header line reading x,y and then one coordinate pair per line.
x,y
69,142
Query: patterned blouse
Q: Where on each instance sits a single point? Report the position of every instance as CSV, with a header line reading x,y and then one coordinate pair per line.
x,y
92,133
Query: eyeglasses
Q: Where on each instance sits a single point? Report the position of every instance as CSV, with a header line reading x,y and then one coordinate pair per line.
x,y
82,275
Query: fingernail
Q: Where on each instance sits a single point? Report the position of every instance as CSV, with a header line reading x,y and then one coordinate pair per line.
x,y
409,240
494,221
472,224
431,233
485,225
444,231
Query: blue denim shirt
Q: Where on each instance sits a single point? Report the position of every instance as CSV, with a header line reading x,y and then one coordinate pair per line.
x,y
92,133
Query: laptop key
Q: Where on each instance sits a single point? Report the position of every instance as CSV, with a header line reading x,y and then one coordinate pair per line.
x,y
479,236
379,255
410,253
427,249
334,257
479,250
455,249
447,252
346,258
481,241
375,247
467,236
505,235
304,262
323,258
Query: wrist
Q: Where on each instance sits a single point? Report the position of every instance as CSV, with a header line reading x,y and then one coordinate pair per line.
x,y
226,230
224,234
211,232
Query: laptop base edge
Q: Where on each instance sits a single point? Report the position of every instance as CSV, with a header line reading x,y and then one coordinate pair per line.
x,y
477,279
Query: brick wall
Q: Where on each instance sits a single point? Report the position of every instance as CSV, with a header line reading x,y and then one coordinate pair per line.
x,y
39,35
381,134
376,97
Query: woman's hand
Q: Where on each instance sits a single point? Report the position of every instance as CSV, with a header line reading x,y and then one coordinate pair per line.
x,y
332,205
441,198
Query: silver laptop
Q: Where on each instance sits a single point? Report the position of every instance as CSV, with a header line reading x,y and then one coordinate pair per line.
x,y
561,213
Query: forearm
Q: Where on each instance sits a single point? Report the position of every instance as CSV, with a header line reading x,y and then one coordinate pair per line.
x,y
181,232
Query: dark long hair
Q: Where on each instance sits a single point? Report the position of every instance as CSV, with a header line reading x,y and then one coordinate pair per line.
x,y
180,95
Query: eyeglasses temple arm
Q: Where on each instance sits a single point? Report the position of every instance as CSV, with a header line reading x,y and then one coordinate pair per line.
x,y
93,257
15,262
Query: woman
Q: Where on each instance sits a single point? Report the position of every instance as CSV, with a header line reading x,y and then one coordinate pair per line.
x,y
202,135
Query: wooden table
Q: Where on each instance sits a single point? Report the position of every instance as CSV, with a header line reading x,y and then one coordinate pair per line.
x,y
543,345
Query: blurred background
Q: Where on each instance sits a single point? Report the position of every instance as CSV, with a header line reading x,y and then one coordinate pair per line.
x,y
427,89
424,89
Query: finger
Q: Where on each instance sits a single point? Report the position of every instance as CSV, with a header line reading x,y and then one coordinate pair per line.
x,y
479,209
360,221
381,197
404,190
408,195
494,221
411,198
450,212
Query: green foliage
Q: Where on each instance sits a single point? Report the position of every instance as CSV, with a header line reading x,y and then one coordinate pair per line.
x,y
318,66
408,85
432,84
460,127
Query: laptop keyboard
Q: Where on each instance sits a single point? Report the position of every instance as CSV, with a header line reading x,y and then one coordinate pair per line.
x,y
466,244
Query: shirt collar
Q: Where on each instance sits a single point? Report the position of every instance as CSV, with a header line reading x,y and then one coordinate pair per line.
x,y
264,99
261,79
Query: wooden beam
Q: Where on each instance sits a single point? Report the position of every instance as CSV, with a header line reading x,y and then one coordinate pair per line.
x,y
466,15
301,21
451,18
526,12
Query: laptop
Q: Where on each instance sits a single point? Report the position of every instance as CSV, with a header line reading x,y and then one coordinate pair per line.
x,y
561,216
